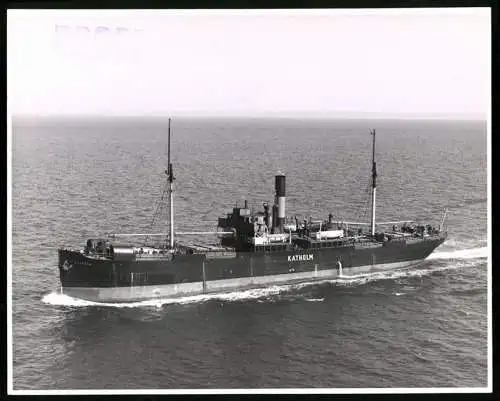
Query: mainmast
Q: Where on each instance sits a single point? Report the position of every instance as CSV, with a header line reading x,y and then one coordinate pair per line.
x,y
374,182
170,174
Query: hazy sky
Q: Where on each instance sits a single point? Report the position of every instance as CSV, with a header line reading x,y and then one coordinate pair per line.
x,y
249,62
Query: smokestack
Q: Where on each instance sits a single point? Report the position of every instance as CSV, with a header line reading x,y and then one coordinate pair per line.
x,y
279,185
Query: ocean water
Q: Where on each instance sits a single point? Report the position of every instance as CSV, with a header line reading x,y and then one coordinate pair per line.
x,y
420,327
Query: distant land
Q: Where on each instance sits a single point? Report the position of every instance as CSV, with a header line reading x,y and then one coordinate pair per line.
x,y
273,115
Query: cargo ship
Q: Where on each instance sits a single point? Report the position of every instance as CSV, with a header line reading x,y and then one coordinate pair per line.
x,y
254,249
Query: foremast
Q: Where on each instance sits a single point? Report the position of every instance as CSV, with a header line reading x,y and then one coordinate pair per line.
x,y
374,184
170,174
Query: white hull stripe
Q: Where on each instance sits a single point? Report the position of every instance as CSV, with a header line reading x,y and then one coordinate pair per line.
x,y
139,293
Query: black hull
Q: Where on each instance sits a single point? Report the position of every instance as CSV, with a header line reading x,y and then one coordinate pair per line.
x,y
244,269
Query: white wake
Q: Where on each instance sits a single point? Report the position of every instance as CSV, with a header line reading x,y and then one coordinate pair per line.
x,y
473,253
60,299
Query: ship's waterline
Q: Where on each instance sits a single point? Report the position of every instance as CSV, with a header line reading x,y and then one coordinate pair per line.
x,y
139,293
